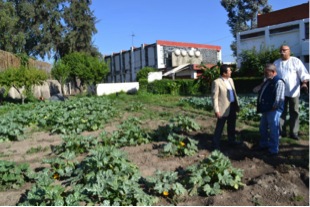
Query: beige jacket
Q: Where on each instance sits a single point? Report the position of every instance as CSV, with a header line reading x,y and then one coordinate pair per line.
x,y
220,96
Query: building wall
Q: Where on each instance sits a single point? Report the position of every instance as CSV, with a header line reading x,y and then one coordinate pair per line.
x,y
284,15
295,34
125,65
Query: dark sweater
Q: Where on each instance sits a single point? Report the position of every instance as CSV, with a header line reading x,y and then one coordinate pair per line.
x,y
265,100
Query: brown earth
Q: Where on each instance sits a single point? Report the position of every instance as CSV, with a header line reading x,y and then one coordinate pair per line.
x,y
276,181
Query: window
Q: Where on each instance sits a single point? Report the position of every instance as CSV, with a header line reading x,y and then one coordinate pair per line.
x,y
256,34
307,30
306,58
284,29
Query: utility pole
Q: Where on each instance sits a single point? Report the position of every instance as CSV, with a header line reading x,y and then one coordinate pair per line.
x,y
132,36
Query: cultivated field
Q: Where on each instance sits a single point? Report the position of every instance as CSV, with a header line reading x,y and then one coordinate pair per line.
x,y
143,150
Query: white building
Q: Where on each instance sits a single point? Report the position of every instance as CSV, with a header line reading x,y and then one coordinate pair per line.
x,y
164,56
287,26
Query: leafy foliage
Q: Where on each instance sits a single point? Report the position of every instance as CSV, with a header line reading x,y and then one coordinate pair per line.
x,y
253,61
242,15
165,184
180,145
129,133
46,28
213,173
143,73
204,81
13,175
21,77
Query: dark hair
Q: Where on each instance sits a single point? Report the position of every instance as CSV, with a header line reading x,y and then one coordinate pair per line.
x,y
223,68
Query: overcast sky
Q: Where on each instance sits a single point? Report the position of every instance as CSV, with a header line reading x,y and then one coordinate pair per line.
x,y
123,23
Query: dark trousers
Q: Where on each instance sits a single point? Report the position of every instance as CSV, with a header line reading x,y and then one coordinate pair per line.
x,y
231,127
293,105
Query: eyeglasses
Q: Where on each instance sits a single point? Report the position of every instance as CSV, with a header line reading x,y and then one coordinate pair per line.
x,y
284,50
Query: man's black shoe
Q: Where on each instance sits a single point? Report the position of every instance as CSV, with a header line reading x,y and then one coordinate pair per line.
x,y
272,154
260,149
235,143
294,136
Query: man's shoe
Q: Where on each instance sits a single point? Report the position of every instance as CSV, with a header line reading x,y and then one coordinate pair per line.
x,y
272,154
283,134
235,143
294,136
260,149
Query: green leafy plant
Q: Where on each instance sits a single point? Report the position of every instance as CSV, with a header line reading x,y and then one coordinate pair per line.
x,y
62,166
77,144
166,184
212,174
45,192
13,175
179,145
108,178
129,133
184,124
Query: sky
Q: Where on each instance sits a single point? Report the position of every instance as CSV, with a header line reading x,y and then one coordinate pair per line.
x,y
125,23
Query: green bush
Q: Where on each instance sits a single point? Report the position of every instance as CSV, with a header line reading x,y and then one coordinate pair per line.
x,y
143,73
253,62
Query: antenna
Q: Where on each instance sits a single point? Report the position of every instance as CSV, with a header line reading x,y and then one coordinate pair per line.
x,y
132,36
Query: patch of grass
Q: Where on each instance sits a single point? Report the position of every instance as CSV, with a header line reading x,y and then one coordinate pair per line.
x,y
297,198
38,149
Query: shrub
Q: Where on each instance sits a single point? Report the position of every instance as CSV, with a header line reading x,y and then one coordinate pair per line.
x,y
253,62
143,73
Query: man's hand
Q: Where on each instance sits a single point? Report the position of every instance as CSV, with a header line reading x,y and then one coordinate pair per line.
x,y
217,115
304,88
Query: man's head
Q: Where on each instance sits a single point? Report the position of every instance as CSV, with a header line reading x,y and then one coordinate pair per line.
x,y
285,52
225,71
270,71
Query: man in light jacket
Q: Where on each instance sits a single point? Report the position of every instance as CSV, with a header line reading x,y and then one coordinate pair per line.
x,y
225,105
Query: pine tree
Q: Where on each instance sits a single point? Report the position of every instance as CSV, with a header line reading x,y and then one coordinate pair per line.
x,y
242,15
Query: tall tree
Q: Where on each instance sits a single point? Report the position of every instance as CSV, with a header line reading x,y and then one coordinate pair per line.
x,y
12,39
41,28
242,15
80,22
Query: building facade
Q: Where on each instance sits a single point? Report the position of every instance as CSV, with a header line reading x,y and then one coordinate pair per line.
x,y
287,26
162,55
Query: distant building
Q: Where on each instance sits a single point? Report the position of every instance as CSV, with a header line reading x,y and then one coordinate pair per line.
x,y
180,58
286,26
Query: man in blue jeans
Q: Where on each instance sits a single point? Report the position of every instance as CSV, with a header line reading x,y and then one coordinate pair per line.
x,y
270,103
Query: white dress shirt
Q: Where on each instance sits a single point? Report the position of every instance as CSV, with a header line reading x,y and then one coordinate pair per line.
x,y
230,89
293,72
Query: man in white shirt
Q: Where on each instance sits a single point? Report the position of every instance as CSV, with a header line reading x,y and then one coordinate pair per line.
x,y
294,73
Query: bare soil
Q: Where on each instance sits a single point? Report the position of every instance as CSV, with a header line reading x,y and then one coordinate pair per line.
x,y
275,181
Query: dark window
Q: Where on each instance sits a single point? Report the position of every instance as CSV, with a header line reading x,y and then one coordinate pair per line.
x,y
306,58
284,29
307,30
256,34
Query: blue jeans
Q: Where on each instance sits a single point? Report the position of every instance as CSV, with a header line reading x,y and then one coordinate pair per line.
x,y
270,130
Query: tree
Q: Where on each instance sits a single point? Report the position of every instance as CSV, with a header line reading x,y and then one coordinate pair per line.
x,y
242,15
41,28
80,22
86,68
22,79
61,72
11,37
204,81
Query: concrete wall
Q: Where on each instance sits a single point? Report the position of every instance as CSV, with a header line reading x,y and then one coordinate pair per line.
x,y
152,76
110,88
290,33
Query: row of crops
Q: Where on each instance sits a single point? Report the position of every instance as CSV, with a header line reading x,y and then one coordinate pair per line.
x,y
104,176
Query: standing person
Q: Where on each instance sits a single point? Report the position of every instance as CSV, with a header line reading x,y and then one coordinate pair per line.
x,y
270,103
225,105
294,73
